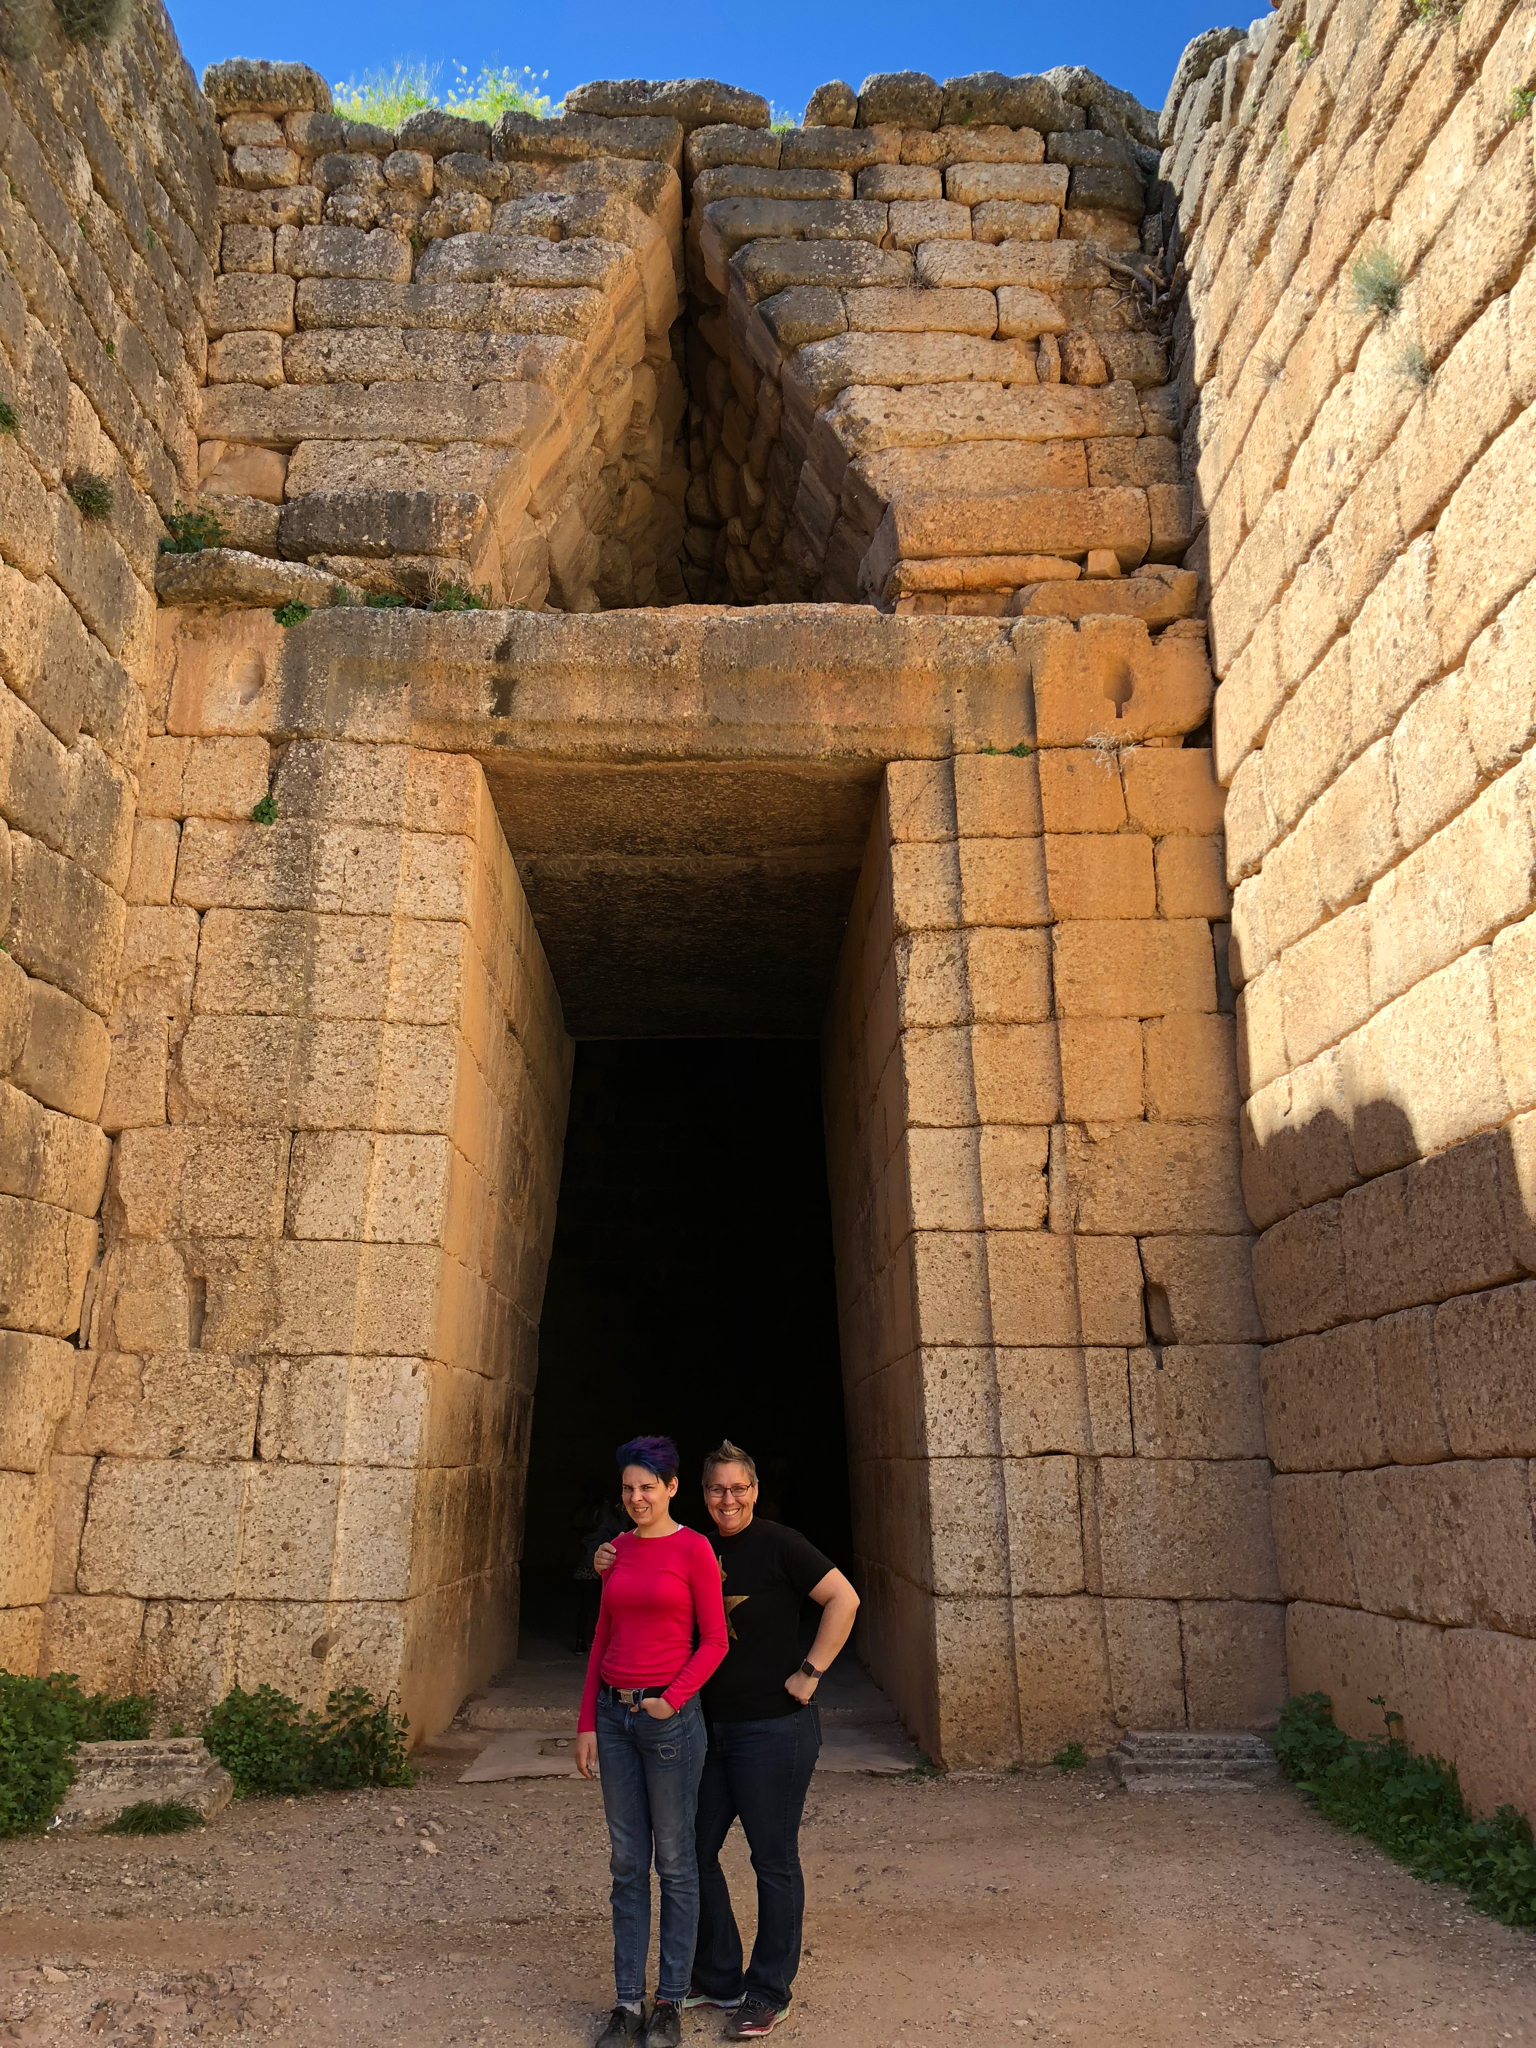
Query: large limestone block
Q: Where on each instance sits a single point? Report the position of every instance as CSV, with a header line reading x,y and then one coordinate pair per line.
x,y
1133,1176
1197,1401
1146,1663
396,471
375,355
1063,1678
1014,220
1234,1662
1045,1542
181,1182
363,1411
26,1558
1109,680
822,369
46,1157
1427,1232
1311,1541
1133,968
1483,1350
570,309
1091,876
1172,789
904,309
1320,1404
500,415
175,1404
165,1529
1080,791
1042,1396
66,926
869,418
301,963
308,866
234,576
1008,977
112,1776
251,302
1003,882
765,268
1101,1064
1449,1543
288,1532
45,1257
1024,523
975,184
1015,1073
37,1377
996,796
325,1075
1191,1068
1205,1285
1183,1529
1490,1677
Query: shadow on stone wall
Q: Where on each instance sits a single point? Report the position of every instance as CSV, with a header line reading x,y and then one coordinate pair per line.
x,y
1399,1391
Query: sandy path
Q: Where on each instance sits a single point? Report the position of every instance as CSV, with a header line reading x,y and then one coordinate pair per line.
x,y
984,1908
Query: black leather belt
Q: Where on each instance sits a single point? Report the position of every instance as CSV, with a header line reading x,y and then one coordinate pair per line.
x,y
629,1695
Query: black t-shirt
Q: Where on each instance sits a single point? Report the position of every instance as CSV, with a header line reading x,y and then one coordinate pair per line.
x,y
767,1571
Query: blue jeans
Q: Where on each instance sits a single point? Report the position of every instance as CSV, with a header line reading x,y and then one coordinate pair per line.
x,y
760,1772
649,1771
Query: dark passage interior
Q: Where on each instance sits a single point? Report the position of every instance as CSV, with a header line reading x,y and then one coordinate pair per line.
x,y
690,1292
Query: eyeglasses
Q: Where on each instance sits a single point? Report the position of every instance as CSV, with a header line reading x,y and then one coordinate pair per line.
x,y
726,1492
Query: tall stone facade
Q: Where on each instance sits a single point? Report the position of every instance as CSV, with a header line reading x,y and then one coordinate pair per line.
x,y
870,483
108,234
1355,211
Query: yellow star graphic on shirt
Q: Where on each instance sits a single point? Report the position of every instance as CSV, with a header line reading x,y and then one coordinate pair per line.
x,y
732,1600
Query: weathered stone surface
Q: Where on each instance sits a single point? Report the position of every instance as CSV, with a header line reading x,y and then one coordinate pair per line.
x,y
229,576
694,102
112,1776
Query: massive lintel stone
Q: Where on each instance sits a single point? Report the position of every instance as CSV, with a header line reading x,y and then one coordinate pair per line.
x,y
255,85
695,102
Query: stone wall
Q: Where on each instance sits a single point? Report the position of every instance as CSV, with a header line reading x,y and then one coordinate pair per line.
x,y
924,354
107,239
297,1444
1353,206
440,356
1048,1327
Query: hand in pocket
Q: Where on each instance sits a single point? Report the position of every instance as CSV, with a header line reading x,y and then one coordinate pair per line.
x,y
657,1709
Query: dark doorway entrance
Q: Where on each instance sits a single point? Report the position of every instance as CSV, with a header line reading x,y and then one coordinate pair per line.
x,y
690,1291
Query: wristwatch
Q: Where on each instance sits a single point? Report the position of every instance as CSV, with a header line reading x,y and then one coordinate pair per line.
x,y
808,1670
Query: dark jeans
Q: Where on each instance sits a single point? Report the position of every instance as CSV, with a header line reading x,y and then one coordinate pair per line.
x,y
757,1772
650,1777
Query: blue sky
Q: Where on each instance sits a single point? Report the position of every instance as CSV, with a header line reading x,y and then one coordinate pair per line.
x,y
785,50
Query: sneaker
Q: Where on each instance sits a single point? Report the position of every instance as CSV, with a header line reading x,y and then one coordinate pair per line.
x,y
623,2027
698,1997
753,2019
664,2028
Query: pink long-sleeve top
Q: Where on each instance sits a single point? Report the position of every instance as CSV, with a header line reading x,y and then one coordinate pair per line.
x,y
660,1590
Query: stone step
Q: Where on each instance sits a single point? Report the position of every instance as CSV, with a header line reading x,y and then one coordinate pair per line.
x,y
1195,1760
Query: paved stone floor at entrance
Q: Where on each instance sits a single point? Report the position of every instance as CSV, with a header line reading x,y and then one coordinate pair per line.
x,y
985,1908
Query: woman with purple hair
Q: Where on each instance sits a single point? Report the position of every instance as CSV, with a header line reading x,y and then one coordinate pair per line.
x,y
660,1634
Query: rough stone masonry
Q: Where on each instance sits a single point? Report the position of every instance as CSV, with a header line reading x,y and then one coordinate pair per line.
x,y
1098,537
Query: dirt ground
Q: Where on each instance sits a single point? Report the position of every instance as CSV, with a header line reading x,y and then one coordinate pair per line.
x,y
983,1908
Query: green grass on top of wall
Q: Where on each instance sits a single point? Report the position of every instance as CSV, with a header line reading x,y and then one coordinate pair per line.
x,y
388,97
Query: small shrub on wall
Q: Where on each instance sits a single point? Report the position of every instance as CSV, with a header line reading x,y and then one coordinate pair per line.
x,y
93,21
